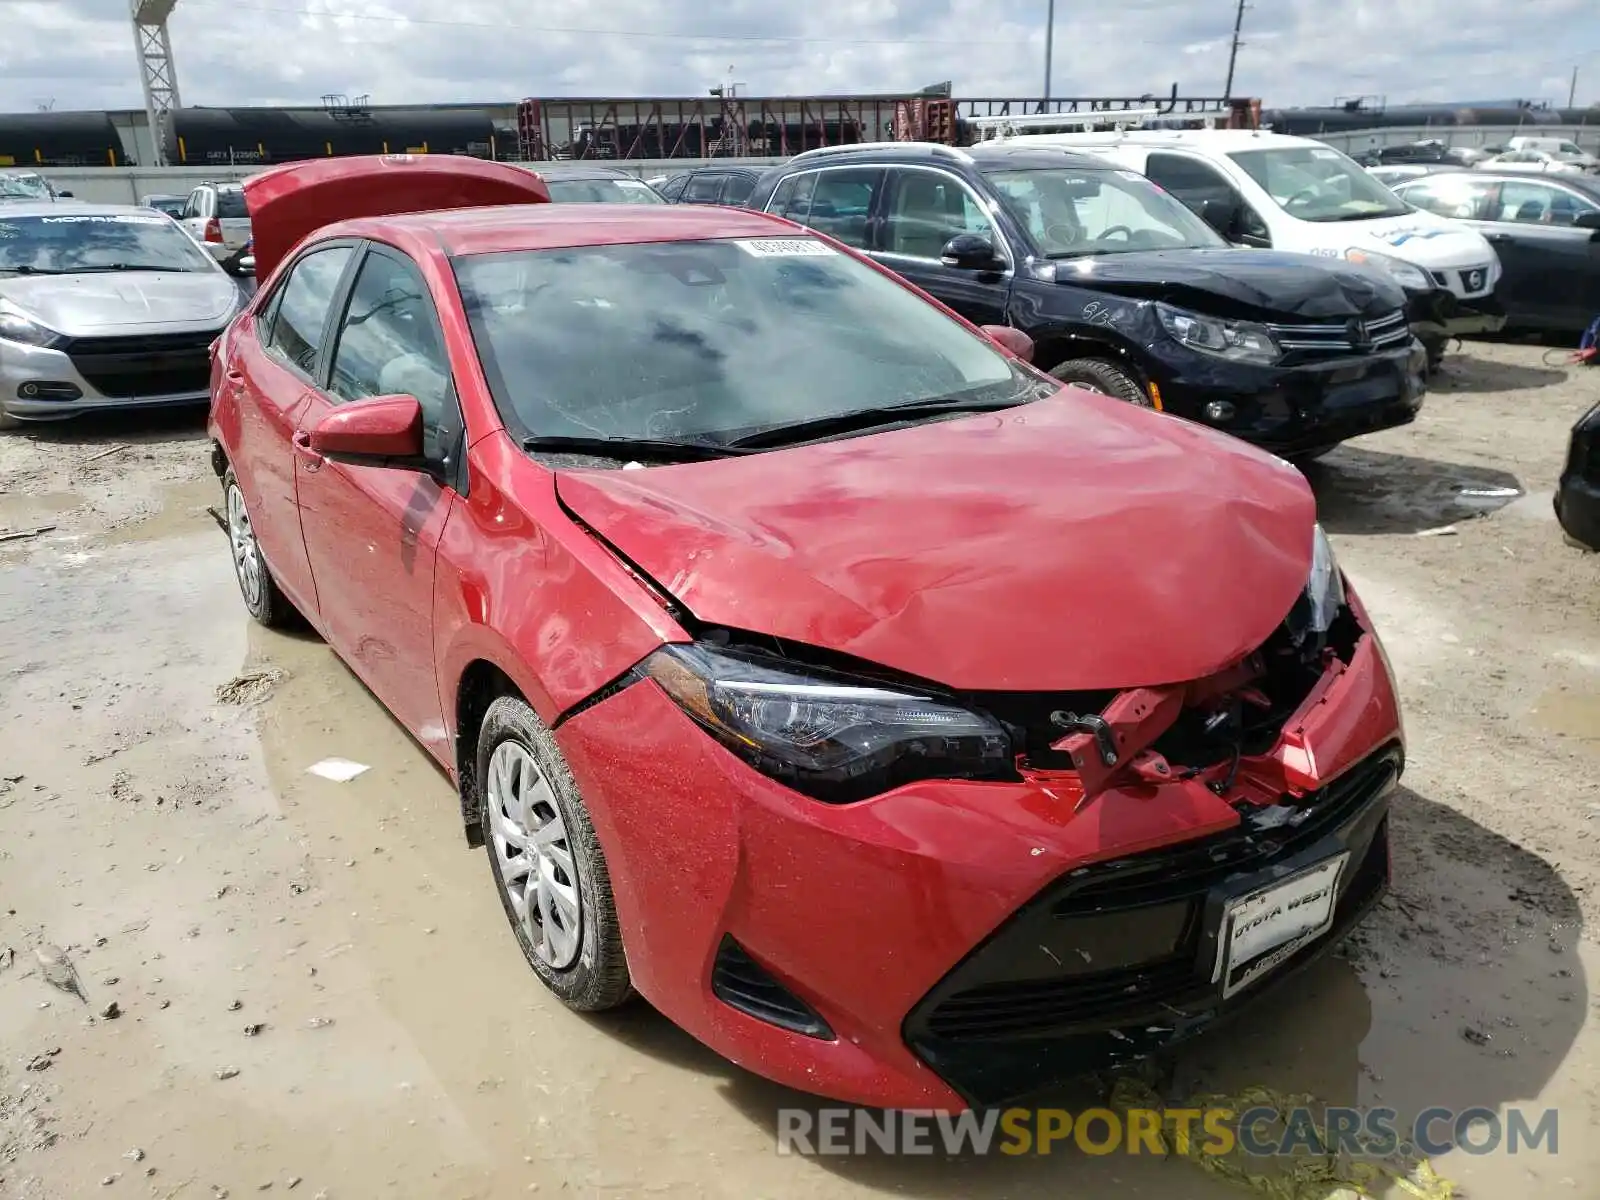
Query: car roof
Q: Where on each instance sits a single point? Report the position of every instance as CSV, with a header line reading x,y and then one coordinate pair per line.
x,y
990,156
579,174
1216,141
510,227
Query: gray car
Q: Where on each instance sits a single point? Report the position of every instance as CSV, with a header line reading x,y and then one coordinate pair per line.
x,y
104,306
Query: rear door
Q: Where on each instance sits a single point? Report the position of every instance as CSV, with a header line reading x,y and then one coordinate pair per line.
x,y
704,187
737,189
194,213
372,533
922,209
271,372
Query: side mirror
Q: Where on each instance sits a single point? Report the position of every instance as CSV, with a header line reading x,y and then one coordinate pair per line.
x,y
970,252
1587,220
379,431
1013,341
65,195
247,265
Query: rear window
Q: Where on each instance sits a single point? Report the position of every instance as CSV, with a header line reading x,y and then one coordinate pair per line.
x,y
602,191
231,203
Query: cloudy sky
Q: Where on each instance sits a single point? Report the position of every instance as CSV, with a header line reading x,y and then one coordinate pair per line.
x,y
79,54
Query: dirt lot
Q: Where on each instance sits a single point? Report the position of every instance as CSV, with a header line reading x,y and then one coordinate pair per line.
x,y
315,983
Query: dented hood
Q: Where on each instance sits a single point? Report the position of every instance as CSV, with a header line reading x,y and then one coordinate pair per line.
x,y
1074,543
1266,285
289,202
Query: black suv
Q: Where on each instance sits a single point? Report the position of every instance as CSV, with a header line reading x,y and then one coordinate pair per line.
x,y
1122,289
710,185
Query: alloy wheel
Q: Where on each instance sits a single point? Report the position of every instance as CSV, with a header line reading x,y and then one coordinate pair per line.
x,y
246,554
537,871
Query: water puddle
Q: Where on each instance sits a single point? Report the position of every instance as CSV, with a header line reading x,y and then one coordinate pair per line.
x,y
20,512
1570,714
181,511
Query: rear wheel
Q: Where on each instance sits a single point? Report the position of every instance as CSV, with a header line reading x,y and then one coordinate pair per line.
x,y
1098,375
259,589
547,862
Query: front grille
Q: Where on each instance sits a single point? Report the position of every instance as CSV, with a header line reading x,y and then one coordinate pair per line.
x,y
147,365
1126,941
1473,280
742,983
1341,338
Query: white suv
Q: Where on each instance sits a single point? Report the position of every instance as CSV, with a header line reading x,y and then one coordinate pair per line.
x,y
216,216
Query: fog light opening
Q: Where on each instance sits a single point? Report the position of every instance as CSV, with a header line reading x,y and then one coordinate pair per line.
x,y
1220,411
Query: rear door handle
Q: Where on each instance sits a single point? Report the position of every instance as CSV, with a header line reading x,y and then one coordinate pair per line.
x,y
303,449
1498,237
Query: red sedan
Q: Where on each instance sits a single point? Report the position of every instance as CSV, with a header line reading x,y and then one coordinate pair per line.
x,y
908,728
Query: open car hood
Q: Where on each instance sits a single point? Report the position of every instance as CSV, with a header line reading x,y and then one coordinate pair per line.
x,y
286,203
1075,543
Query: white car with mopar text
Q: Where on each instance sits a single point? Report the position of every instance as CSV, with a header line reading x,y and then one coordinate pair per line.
x,y
1290,193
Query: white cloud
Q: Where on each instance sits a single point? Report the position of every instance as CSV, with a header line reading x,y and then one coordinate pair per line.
x,y
79,54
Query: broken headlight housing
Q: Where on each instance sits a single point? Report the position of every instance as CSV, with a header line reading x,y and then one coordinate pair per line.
x,y
832,736
1238,341
1322,599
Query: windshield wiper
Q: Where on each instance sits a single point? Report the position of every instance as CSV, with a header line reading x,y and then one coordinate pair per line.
x,y
27,270
631,447
862,418
126,267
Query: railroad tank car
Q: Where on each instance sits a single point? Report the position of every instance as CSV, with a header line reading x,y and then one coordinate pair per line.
x,y
60,139
226,136
1309,122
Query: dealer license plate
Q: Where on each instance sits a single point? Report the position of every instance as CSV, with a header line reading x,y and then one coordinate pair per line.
x,y
1266,928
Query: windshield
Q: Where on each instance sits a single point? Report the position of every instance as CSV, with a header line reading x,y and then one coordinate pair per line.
x,y
24,187
1074,212
602,191
145,241
703,341
1317,183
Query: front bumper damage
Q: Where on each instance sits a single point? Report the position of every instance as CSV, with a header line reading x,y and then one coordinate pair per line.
x,y
957,943
1439,314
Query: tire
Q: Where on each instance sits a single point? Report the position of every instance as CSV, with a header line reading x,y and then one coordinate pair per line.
x,y
525,786
259,590
1098,375
1311,456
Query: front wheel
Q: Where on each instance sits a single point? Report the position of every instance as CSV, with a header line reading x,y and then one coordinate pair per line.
x,y
547,861
1098,375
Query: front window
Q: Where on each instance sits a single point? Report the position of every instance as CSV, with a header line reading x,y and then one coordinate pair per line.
x,y
81,242
24,187
1074,212
602,191
1317,183
710,340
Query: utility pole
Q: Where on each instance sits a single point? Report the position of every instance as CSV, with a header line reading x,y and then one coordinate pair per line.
x,y
1233,54
1572,92
1049,46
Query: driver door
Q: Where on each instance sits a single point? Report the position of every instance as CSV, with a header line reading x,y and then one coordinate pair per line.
x,y
922,209
372,533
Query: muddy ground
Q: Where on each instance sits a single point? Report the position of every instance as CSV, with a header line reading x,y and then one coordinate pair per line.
x,y
314,981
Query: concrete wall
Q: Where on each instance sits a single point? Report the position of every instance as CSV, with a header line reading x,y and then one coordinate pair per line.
x,y
125,185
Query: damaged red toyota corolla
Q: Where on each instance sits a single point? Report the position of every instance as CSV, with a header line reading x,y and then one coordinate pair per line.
x,y
906,727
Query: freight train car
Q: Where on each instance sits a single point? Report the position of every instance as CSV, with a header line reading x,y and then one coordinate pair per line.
x,y
227,136
1356,117
59,139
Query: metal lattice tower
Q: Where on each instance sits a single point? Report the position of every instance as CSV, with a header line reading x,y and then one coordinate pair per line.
x,y
157,71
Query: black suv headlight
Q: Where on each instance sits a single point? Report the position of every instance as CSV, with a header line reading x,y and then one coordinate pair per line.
x,y
834,737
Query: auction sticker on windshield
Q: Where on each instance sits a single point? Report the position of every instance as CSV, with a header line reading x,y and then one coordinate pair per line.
x,y
784,247
1264,929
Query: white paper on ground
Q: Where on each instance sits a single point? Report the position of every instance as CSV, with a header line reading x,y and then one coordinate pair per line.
x,y
340,770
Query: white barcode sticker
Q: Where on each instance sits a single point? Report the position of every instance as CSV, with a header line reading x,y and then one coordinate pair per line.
x,y
785,247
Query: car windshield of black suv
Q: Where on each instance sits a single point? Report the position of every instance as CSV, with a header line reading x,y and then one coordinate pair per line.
x,y
602,191
1317,183
83,242
1071,212
709,341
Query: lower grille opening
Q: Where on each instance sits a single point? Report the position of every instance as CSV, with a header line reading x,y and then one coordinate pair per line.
x,y
148,365
742,983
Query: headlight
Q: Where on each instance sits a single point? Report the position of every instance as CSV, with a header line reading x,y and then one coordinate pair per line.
x,y
834,737
15,326
1403,273
1241,341
1322,599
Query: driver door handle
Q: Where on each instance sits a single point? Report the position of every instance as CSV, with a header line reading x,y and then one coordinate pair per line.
x,y
1498,237
235,380
303,451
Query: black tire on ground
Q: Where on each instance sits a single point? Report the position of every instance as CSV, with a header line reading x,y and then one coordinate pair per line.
x,y
266,603
1435,348
1098,375
598,978
1311,456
